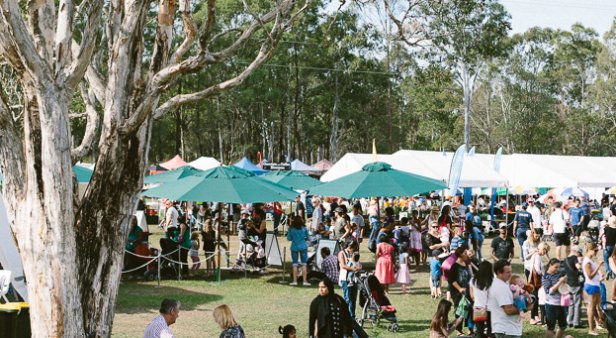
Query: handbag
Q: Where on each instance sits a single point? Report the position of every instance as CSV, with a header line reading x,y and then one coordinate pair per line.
x,y
480,313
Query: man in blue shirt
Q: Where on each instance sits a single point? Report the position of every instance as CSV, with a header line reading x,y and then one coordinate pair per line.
x,y
576,215
585,206
522,222
474,227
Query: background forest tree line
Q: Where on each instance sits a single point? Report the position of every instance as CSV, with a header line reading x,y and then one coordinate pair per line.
x,y
341,78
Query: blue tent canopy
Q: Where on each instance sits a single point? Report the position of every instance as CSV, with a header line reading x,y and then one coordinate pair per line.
x,y
245,164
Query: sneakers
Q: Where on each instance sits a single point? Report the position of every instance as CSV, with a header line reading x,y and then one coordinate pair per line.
x,y
593,333
293,284
306,284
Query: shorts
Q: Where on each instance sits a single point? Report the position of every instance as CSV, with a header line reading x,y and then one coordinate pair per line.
x,y
592,289
562,239
553,314
299,258
436,281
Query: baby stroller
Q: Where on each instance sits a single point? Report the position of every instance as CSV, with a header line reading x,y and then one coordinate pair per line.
x,y
252,257
609,313
375,305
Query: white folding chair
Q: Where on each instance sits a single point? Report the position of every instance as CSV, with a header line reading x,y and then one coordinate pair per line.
x,y
5,282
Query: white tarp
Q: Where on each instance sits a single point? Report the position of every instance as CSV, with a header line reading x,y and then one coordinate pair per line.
x,y
431,164
352,162
437,165
586,171
303,167
9,256
204,163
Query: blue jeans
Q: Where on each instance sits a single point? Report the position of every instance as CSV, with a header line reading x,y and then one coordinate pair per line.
x,y
349,292
374,222
477,235
521,234
606,256
299,258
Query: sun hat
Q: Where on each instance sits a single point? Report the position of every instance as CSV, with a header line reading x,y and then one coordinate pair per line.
x,y
577,248
339,209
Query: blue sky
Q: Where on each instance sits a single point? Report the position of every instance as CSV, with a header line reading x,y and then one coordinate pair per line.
x,y
597,14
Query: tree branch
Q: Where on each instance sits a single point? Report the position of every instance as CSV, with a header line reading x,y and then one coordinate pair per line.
x,y
63,38
190,30
82,54
91,125
209,24
170,73
42,21
19,40
265,52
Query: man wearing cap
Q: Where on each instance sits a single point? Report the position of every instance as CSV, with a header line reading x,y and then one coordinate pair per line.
x,y
575,280
522,222
502,246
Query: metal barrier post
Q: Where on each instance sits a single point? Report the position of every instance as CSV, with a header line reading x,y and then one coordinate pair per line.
x,y
179,260
158,276
284,259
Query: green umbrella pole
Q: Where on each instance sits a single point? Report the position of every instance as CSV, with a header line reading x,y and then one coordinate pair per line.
x,y
218,254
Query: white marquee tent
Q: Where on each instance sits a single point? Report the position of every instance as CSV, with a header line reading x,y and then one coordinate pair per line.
x,y
204,163
435,165
474,172
539,171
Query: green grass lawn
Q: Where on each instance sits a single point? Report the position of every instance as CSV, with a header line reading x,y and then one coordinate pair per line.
x,y
261,304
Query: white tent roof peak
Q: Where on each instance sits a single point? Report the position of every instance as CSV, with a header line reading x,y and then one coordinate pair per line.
x,y
204,163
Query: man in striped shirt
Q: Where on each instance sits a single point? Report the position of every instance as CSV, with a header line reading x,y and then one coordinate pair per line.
x,y
159,327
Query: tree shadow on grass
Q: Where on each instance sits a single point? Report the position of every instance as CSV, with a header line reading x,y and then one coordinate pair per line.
x,y
141,297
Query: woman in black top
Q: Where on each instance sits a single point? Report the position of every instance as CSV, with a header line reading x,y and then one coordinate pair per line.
x,y
459,278
329,314
610,241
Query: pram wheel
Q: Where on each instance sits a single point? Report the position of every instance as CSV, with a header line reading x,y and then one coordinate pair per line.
x,y
393,327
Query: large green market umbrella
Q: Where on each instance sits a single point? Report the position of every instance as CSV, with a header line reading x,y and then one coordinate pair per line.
x,y
378,179
223,184
172,175
82,174
292,179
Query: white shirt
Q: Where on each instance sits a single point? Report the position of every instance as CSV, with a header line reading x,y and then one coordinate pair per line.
x,y
595,280
158,328
536,213
481,296
558,220
172,214
501,295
